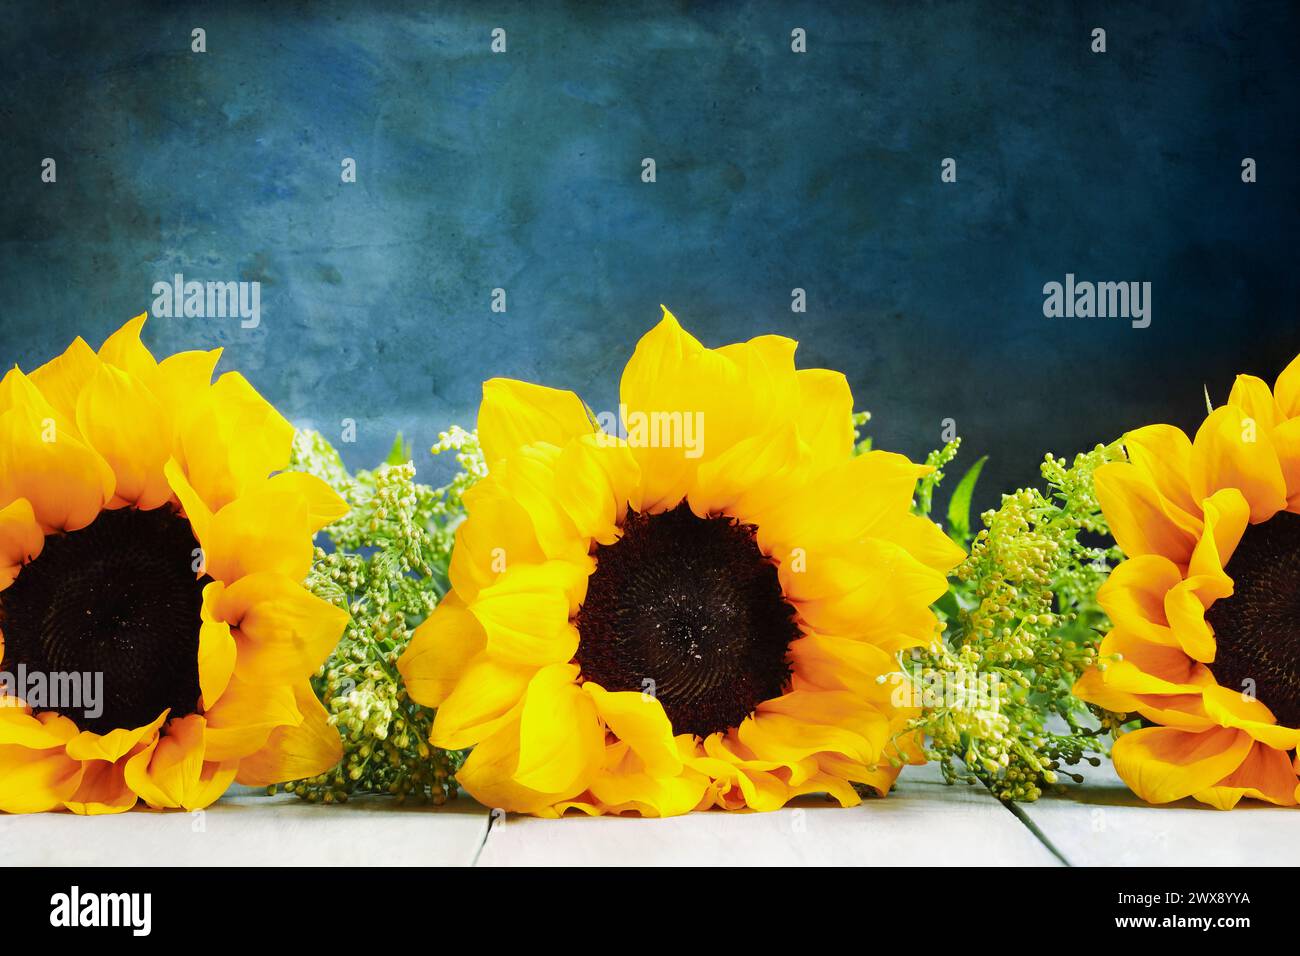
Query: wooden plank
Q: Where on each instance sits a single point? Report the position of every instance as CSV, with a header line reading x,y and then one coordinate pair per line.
x,y
923,822
1101,823
245,830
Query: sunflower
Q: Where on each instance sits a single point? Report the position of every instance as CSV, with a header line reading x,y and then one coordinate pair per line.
x,y
705,611
155,640
1206,609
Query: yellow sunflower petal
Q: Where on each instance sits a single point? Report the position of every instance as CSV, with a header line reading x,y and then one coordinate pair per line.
x,y
20,539
640,721
871,587
1253,396
594,480
232,439
119,417
1233,451
514,414
1134,596
160,772
282,630
560,809
1286,442
217,648
1162,764
62,379
487,697
1226,515
728,747
1183,711
740,783
103,790
20,728
193,507
245,716
440,650
802,723
723,790
625,784
264,436
880,778
842,505
172,773
833,785
113,745
1141,519
561,743
768,364
488,775
825,407
1233,708
1147,668
125,350
1164,454
185,377
1286,391
731,480
1186,614
18,391
772,386
789,741
214,780
296,752
497,534
267,529
66,482
672,378
530,479
324,506
762,790
922,539
839,663
1092,687
32,781
525,614
1265,774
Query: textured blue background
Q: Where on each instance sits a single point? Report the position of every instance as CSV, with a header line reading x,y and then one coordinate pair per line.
x,y
775,170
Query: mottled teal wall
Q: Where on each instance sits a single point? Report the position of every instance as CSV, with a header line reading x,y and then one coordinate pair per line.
x,y
775,170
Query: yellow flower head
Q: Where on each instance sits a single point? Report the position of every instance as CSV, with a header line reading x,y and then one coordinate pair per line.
x,y
705,612
1206,610
155,639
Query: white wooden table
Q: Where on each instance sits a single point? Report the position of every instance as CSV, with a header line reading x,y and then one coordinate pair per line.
x,y
923,822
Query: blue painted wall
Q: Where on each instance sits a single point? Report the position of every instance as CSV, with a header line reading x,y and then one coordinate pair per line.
x,y
775,170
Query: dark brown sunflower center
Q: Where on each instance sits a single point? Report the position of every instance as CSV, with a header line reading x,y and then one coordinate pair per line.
x,y
1257,630
690,610
115,604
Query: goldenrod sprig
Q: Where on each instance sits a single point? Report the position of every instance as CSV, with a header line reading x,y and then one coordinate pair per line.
x,y
1018,626
386,565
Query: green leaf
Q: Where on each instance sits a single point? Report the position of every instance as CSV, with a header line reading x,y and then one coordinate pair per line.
x,y
400,453
948,606
959,505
